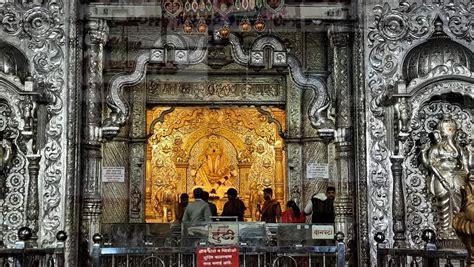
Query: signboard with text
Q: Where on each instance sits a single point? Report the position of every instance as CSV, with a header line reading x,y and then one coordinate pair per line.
x,y
223,233
113,174
317,171
322,231
217,257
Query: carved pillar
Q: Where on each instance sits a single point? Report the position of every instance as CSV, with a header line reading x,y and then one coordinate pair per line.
x,y
279,179
398,203
137,155
32,212
340,44
402,113
96,37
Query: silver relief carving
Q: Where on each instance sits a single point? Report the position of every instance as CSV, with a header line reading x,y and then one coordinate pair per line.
x,y
390,33
320,103
267,90
42,27
419,205
182,55
13,171
137,155
120,110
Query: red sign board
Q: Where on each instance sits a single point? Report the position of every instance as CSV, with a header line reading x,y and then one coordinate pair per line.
x,y
218,257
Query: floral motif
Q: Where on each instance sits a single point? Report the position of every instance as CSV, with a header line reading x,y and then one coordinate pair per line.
x,y
42,28
391,33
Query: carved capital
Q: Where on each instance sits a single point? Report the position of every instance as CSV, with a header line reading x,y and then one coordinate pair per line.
x,y
98,31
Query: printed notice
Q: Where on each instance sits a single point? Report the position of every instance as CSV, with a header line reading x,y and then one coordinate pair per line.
x,y
317,171
217,256
113,174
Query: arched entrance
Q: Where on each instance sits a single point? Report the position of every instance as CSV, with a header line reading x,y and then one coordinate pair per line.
x,y
215,149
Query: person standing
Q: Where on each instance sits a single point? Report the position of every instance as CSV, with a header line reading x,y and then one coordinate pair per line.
x,y
212,206
322,207
234,206
198,211
181,207
292,214
271,210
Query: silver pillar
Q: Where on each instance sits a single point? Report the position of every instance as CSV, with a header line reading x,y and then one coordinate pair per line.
x,y
96,37
341,72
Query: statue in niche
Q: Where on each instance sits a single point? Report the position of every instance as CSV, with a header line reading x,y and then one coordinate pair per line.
x,y
447,162
214,171
6,155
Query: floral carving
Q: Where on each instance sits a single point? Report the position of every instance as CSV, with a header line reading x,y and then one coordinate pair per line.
x,y
392,31
42,28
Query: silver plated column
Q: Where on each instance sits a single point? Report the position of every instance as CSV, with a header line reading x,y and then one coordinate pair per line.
x,y
340,44
96,37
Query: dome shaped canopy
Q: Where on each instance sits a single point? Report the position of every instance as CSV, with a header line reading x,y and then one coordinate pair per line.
x,y
437,51
13,62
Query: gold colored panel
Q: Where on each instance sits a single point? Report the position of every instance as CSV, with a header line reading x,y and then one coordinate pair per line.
x,y
214,149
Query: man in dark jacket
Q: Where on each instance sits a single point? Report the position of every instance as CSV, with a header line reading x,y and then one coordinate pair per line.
x,y
322,209
234,206
212,206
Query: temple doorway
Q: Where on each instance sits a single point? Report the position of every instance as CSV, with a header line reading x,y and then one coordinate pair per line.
x,y
215,149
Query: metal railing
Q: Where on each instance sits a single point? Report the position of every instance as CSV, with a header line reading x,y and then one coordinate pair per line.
x,y
25,255
248,256
428,257
37,257
182,251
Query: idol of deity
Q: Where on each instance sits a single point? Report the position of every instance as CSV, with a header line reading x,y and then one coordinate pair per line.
x,y
214,170
447,162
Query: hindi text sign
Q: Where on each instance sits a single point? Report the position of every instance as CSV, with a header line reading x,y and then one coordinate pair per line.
x,y
217,257
113,174
223,233
322,231
317,171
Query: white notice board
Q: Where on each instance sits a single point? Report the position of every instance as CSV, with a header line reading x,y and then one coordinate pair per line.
x,y
113,174
317,170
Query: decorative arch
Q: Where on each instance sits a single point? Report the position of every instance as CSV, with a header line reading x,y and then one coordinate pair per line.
x,y
185,54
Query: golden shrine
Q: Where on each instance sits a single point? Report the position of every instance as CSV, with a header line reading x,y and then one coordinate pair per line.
x,y
215,149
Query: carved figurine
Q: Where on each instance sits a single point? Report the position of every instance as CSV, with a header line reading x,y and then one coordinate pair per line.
x,y
447,162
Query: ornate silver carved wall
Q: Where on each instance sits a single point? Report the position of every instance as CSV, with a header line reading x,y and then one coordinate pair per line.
x,y
393,30
46,35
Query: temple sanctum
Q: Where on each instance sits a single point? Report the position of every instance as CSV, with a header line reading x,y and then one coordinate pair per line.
x,y
126,127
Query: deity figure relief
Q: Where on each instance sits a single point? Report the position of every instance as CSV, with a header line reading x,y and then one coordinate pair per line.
x,y
6,155
447,162
214,169
245,156
165,178
165,195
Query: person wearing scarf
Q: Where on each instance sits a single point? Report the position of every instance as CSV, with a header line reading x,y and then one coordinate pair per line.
x,y
271,210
